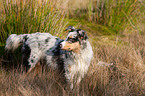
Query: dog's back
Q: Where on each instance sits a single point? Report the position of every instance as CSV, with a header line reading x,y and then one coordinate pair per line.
x,y
36,46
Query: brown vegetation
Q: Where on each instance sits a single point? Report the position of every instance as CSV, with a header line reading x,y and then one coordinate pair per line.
x,y
124,78
118,65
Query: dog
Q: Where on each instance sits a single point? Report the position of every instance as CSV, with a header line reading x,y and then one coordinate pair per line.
x,y
72,55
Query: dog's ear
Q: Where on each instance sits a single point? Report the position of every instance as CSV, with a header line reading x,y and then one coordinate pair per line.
x,y
82,35
70,28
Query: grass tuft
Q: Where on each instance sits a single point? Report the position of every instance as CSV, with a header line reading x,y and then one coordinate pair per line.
x,y
29,16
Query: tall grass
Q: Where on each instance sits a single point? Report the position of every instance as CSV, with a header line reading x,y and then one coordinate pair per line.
x,y
126,77
116,14
28,16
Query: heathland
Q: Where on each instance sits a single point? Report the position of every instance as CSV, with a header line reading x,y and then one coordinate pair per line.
x,y
116,32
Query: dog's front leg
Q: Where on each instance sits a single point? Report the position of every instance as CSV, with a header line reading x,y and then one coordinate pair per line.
x,y
35,69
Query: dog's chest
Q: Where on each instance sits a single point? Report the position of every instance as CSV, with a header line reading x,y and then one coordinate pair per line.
x,y
78,66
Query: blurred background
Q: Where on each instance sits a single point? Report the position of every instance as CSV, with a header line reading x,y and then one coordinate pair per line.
x,y
116,32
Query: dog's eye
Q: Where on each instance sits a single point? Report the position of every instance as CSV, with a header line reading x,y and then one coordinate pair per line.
x,y
69,39
74,36
70,42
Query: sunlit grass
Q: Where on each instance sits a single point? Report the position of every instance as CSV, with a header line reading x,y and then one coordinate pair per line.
x,y
116,14
113,30
28,16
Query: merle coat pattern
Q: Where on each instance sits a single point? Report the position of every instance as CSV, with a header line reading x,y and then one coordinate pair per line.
x,y
73,55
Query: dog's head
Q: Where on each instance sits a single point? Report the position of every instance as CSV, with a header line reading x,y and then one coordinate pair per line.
x,y
74,40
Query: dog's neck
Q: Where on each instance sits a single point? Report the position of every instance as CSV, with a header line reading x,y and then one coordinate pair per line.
x,y
85,54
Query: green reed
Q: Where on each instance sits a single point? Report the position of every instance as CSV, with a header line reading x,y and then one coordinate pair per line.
x,y
28,16
116,14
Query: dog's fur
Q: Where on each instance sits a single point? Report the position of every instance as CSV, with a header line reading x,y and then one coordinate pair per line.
x,y
73,55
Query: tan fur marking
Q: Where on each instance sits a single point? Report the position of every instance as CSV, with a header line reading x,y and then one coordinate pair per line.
x,y
70,36
69,68
75,47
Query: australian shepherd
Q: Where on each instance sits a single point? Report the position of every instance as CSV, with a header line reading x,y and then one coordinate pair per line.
x,y
73,55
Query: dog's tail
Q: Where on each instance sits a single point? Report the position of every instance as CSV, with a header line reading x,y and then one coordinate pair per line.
x,y
14,41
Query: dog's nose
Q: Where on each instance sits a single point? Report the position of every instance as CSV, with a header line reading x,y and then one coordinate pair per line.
x,y
60,45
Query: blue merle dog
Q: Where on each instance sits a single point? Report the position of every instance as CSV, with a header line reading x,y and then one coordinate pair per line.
x,y
73,55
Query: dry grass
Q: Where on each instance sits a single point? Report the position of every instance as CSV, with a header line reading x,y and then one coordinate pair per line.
x,y
126,77
46,84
